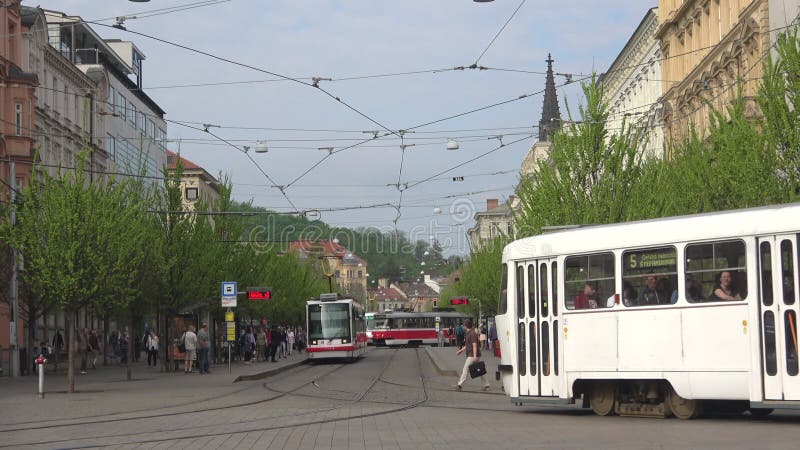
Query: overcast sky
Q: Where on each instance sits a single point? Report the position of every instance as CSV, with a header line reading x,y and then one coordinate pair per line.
x,y
355,38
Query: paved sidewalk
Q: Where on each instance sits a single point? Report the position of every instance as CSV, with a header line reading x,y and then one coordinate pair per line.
x,y
106,390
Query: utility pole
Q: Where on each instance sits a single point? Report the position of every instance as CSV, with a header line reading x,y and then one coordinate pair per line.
x,y
13,355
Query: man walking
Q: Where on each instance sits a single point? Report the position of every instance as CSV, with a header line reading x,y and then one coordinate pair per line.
x,y
202,348
472,348
83,347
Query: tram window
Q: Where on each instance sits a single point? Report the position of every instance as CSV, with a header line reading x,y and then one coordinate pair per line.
x,y
554,284
531,290
545,348
787,271
770,361
649,276
520,291
790,321
765,255
532,327
545,295
502,303
587,279
705,264
555,346
521,348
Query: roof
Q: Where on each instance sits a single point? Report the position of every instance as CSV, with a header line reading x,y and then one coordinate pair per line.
x,y
416,290
328,248
172,161
383,294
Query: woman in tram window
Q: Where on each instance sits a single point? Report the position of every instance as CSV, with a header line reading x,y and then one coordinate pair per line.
x,y
725,290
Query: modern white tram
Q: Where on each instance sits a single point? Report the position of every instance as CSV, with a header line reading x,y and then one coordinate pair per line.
x,y
657,317
336,328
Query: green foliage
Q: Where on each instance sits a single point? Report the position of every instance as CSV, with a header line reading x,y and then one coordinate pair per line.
x,y
480,279
588,176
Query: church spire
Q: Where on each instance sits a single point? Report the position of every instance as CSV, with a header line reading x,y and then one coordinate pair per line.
x,y
551,116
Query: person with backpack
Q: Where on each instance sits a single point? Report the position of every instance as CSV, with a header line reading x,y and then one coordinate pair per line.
x,y
460,336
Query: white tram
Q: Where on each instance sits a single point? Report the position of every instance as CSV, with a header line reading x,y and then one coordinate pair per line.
x,y
336,328
656,317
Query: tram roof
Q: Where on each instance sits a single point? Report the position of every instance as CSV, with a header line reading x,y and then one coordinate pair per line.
x,y
424,314
767,220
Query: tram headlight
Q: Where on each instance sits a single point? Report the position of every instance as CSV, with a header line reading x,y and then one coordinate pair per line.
x,y
345,341
313,342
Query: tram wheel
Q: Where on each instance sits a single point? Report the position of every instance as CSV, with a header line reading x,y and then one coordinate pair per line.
x,y
601,398
760,412
682,408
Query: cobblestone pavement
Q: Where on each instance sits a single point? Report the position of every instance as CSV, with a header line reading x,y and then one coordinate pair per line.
x,y
391,398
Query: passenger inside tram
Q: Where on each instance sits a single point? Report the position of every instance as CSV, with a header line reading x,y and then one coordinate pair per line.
x,y
649,295
588,298
725,290
628,294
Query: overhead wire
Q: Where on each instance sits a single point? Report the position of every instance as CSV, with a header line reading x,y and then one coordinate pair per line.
x,y
499,32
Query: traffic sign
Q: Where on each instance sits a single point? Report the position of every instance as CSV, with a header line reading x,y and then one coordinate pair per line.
x,y
229,302
229,289
231,335
228,316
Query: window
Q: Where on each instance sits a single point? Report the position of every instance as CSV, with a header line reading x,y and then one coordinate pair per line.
x,y
707,263
554,284
122,106
545,348
520,292
132,115
521,348
502,304
790,333
18,119
787,271
770,355
111,146
544,291
532,327
112,98
142,121
532,290
650,277
55,93
191,194
587,279
555,345
151,129
162,138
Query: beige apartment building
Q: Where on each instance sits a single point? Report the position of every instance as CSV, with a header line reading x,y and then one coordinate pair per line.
x,y
349,271
196,182
710,48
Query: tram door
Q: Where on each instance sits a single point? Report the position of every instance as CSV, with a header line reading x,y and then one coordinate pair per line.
x,y
778,285
539,329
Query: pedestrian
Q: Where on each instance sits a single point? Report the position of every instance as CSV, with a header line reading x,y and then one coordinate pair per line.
x,y
290,340
189,340
493,336
58,341
123,348
82,338
240,344
152,348
460,334
113,344
275,340
203,345
261,345
284,340
94,343
472,348
249,344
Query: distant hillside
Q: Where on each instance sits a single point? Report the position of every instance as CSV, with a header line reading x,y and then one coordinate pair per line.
x,y
387,255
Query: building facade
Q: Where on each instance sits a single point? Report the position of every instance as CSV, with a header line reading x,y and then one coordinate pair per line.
x,y
196,183
710,48
348,271
496,221
633,87
130,126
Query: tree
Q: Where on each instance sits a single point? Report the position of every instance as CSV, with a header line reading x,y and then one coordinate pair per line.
x,y
480,279
79,239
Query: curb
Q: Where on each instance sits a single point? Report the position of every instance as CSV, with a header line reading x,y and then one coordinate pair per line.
x,y
269,373
439,365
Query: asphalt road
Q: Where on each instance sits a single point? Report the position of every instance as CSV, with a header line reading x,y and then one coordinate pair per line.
x,y
391,398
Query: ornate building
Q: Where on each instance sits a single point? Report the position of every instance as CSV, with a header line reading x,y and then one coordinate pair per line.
x,y
548,124
709,49
633,86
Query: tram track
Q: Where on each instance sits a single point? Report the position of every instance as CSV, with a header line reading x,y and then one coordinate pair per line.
x,y
361,397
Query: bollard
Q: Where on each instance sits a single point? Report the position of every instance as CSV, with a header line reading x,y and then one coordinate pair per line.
x,y
40,362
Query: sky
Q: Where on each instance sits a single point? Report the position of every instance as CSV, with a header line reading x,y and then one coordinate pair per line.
x,y
341,40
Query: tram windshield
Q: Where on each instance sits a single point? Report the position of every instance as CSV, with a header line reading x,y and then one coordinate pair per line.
x,y
380,322
331,321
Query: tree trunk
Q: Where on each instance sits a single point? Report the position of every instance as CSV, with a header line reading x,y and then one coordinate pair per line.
x,y
69,330
30,343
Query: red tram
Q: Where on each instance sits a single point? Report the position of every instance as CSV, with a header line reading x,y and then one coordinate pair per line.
x,y
413,328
